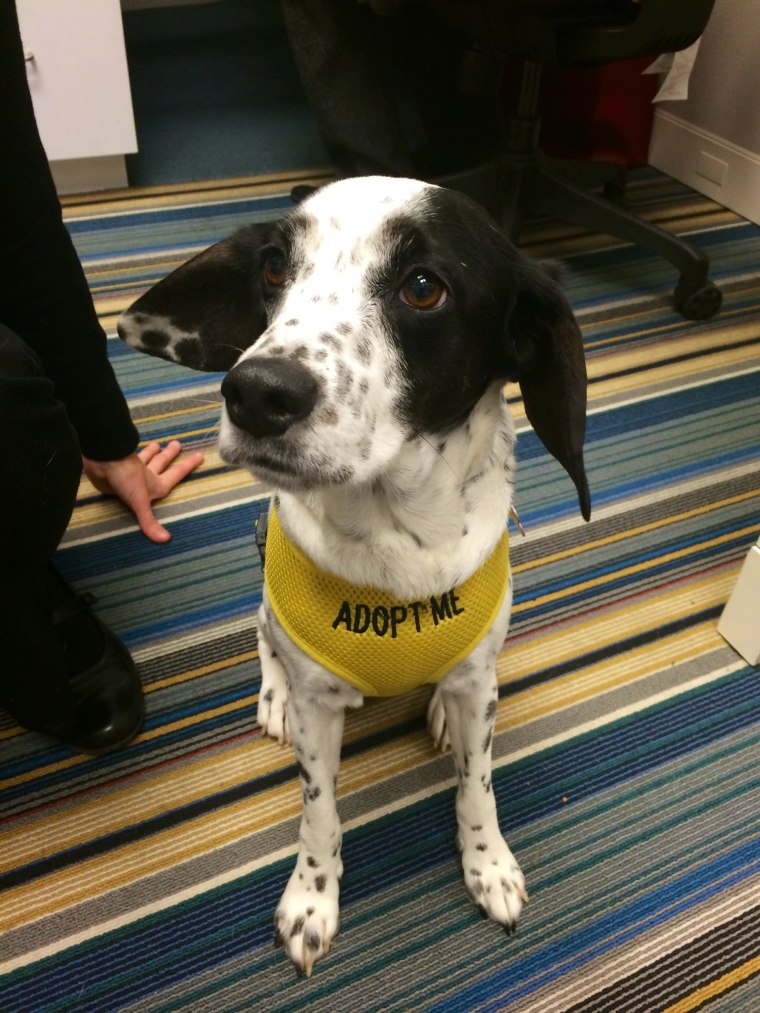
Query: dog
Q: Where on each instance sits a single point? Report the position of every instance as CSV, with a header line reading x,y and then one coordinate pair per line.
x,y
368,336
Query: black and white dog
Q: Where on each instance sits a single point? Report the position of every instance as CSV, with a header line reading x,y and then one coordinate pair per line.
x,y
368,336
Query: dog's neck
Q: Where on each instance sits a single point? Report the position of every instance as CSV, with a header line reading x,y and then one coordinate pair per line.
x,y
429,522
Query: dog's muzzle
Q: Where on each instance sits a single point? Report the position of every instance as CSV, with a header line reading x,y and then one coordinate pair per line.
x,y
265,396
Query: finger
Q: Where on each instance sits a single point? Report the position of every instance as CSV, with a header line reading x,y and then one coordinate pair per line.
x,y
165,481
147,520
165,454
148,452
163,458
151,528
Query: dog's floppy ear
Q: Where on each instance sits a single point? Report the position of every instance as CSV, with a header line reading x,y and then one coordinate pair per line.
x,y
208,311
545,355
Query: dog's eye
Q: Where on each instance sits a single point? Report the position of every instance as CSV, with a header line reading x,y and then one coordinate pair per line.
x,y
424,291
275,268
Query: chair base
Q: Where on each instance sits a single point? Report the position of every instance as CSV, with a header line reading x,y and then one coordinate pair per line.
x,y
521,181
518,186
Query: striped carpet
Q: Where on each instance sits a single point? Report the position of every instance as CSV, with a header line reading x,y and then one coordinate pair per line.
x,y
626,751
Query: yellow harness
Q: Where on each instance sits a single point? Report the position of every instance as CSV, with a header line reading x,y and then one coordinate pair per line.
x,y
379,644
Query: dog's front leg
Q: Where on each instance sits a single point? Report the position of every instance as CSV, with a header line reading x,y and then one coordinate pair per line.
x,y
491,874
307,915
272,714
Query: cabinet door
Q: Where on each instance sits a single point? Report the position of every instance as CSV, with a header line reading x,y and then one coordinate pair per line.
x,y
77,70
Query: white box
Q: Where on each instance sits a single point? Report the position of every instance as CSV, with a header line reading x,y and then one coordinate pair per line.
x,y
740,622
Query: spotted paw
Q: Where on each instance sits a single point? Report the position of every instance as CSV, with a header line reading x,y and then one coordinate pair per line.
x,y
307,919
272,714
495,882
436,722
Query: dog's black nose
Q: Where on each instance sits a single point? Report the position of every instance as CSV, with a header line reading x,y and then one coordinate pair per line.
x,y
266,396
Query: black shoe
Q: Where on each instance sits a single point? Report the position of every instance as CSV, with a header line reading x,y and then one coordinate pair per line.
x,y
63,672
103,684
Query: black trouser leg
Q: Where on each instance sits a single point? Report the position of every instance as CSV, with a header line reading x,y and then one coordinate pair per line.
x,y
40,462
344,63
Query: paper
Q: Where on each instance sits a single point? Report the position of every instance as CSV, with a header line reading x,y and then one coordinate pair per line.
x,y
675,68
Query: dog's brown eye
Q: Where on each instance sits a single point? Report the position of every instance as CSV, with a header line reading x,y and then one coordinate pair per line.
x,y
424,291
276,269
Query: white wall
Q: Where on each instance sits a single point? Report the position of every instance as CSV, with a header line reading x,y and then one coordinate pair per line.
x,y
711,141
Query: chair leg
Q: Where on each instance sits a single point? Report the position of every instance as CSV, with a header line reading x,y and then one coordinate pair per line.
x,y
557,197
695,296
609,175
512,193
482,183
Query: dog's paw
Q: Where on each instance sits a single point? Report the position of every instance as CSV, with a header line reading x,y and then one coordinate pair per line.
x,y
307,918
494,881
272,713
436,722
273,708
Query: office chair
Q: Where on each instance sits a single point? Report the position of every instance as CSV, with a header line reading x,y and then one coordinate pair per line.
x,y
520,180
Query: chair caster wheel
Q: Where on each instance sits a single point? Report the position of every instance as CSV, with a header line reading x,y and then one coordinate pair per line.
x,y
697,302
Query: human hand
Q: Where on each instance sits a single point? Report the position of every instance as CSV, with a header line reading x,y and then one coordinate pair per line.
x,y
141,478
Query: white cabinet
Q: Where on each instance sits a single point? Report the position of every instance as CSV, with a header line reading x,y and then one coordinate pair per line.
x,y
78,78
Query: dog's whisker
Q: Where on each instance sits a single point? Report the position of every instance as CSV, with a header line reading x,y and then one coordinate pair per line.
x,y
440,453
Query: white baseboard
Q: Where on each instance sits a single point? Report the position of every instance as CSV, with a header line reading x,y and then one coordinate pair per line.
x,y
82,175
717,168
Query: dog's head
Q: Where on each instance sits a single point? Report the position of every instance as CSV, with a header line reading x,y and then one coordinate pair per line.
x,y
377,310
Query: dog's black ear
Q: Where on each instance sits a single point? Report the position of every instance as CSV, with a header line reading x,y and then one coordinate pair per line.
x,y
545,355
208,311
